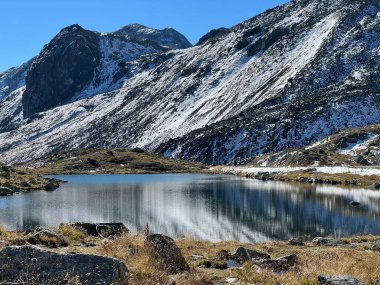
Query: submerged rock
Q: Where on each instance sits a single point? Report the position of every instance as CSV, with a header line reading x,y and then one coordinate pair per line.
x,y
337,280
165,255
102,230
22,264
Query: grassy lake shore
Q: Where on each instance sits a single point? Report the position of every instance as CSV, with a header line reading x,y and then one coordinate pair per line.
x,y
351,256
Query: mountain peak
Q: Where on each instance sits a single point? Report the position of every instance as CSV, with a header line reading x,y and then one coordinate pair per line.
x,y
167,37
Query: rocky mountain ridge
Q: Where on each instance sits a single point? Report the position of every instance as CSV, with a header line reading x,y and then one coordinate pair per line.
x,y
284,79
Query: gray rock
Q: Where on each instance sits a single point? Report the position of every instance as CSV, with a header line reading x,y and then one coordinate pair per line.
x,y
296,242
327,241
375,246
20,264
5,191
278,265
337,280
46,237
165,255
52,185
103,230
242,254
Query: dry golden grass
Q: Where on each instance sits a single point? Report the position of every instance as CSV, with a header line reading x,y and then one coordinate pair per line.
x,y
71,233
352,259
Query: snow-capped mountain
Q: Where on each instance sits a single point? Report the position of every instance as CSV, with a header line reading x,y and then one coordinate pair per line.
x,y
286,78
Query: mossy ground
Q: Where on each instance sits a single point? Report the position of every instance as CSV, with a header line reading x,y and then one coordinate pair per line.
x,y
352,259
116,161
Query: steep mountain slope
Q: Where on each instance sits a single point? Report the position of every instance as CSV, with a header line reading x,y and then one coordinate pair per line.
x,y
358,147
13,79
286,78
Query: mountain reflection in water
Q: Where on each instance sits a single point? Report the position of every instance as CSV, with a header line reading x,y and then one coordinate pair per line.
x,y
203,206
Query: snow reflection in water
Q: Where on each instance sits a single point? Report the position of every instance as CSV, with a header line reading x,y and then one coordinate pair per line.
x,y
204,206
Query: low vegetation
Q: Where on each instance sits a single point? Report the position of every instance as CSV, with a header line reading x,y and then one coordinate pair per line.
x,y
15,179
350,257
117,161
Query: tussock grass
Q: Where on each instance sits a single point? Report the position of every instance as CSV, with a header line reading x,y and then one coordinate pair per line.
x,y
352,259
71,233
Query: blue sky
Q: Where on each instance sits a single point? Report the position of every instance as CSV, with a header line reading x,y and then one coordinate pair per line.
x,y
26,25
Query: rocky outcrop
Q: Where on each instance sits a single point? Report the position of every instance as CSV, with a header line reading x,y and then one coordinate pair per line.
x,y
64,67
27,263
5,191
279,265
168,37
337,280
242,254
296,242
165,255
213,35
327,241
375,246
102,230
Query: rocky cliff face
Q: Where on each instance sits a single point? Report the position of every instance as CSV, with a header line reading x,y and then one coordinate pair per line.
x,y
63,68
286,78
78,63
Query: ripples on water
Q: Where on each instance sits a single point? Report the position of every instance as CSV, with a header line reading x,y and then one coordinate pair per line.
x,y
203,206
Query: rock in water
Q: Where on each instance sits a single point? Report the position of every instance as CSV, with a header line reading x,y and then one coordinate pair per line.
x,y
20,263
5,191
337,280
354,204
165,255
103,230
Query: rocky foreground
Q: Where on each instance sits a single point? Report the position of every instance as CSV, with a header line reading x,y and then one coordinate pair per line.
x,y
82,253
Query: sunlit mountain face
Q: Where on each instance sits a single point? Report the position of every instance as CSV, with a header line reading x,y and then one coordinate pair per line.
x,y
284,79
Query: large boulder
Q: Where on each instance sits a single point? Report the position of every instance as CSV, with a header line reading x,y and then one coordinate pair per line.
x,y
46,237
102,230
165,255
242,254
337,280
23,264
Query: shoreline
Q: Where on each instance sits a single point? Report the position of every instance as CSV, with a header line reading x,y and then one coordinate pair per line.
x,y
308,175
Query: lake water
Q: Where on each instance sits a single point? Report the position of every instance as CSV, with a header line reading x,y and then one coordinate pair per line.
x,y
209,207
